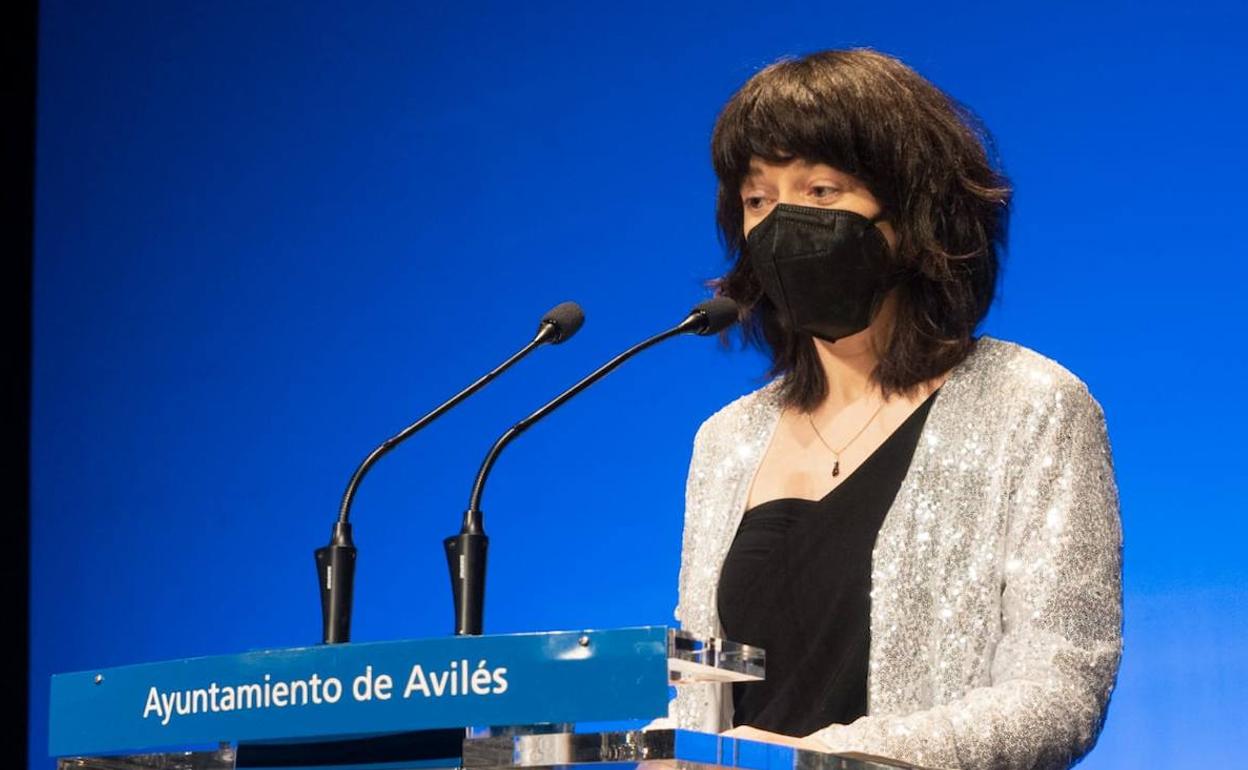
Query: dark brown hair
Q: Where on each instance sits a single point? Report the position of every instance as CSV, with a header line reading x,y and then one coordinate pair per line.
x,y
924,156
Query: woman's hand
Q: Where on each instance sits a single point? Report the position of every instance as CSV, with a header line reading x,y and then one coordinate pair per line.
x,y
745,732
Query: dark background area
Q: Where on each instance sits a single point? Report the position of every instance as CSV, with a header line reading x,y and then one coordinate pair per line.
x,y
17,170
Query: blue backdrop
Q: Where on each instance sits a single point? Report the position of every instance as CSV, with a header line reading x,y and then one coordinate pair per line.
x,y
270,234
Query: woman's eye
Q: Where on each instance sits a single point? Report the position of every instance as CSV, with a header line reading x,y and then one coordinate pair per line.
x,y
823,191
754,202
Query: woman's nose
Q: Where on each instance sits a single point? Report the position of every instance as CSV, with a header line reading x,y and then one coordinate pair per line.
x,y
790,196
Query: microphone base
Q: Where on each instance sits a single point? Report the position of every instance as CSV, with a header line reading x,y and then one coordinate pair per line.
x,y
335,571
465,559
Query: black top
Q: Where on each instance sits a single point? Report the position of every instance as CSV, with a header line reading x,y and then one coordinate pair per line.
x,y
797,582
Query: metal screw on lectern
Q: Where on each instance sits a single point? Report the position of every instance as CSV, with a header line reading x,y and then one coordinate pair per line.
x,y
583,641
99,679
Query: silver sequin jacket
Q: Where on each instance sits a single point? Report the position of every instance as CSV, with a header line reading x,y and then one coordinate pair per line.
x,y
996,598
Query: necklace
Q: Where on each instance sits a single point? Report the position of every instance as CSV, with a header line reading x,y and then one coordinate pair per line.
x,y
836,453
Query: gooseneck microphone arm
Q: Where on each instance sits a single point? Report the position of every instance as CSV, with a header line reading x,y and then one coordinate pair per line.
x,y
472,517
348,497
466,552
335,563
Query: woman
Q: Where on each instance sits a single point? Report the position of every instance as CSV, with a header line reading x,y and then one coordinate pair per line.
x,y
920,526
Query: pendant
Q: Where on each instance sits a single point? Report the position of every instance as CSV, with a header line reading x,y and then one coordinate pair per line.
x,y
836,468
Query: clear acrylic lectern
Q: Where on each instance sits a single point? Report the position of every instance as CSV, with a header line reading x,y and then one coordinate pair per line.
x,y
500,702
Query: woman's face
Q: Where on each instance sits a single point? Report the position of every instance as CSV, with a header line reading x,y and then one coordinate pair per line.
x,y
806,184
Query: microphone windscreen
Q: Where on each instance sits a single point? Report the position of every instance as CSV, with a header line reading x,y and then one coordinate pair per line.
x,y
567,318
720,313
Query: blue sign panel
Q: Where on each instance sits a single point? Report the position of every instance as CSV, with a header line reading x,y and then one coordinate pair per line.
x,y
336,691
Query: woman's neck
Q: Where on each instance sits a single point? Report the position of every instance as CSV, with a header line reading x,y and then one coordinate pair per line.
x,y
848,362
847,365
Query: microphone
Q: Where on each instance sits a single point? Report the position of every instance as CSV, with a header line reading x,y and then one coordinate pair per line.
x,y
466,552
335,563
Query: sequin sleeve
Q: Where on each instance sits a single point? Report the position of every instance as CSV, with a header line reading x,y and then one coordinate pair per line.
x,y
1056,662
690,700
696,706
688,540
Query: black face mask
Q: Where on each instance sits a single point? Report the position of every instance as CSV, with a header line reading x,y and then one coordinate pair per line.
x,y
825,270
